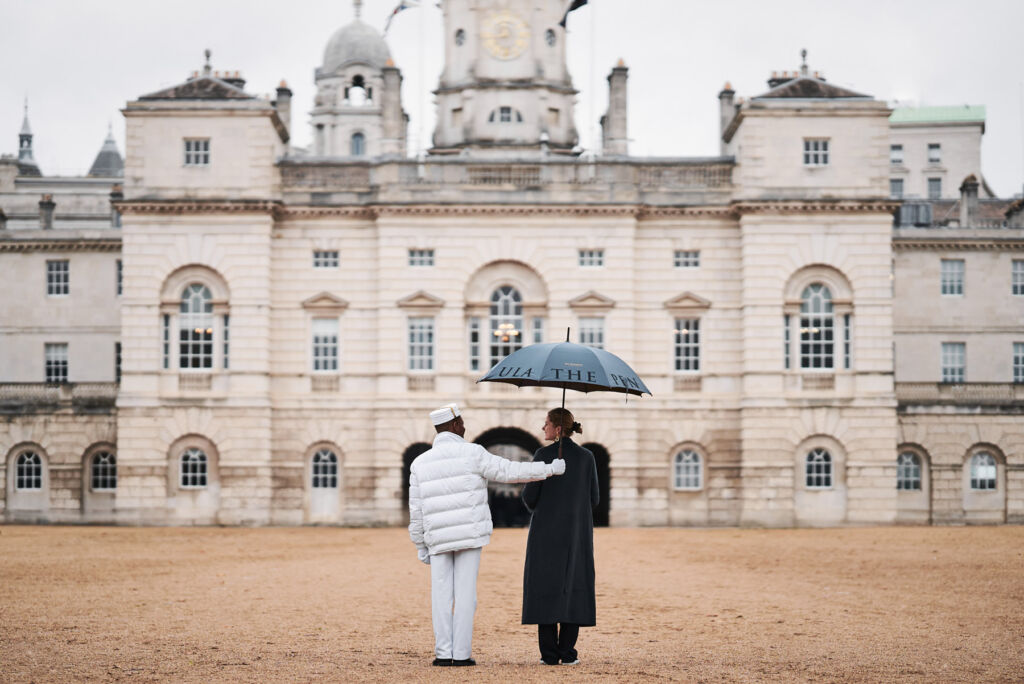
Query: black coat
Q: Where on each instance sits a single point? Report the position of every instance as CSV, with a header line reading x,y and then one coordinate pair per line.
x,y
558,581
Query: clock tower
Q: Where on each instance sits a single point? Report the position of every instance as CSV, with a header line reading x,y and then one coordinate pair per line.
x,y
505,90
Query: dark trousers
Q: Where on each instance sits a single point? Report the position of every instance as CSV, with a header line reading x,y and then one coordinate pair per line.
x,y
558,644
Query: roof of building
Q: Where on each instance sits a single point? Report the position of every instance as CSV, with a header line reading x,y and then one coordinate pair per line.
x,y
108,162
202,87
355,43
988,210
925,115
806,87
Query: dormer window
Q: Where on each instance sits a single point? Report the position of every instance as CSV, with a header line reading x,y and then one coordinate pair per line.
x,y
505,115
197,151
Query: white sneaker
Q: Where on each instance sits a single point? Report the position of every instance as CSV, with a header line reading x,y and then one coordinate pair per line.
x,y
575,662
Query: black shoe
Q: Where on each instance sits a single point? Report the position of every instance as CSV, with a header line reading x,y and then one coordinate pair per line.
x,y
442,662
463,663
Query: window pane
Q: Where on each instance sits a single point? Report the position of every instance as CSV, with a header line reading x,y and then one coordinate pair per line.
x,y
325,344
817,341
908,471
952,276
687,345
687,470
506,323
818,469
421,343
953,361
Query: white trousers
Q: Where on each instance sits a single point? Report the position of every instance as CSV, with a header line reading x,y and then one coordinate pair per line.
x,y
453,601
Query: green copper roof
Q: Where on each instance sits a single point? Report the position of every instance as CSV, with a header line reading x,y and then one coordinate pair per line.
x,y
924,115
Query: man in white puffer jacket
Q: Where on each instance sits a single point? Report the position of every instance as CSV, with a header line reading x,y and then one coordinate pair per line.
x,y
449,522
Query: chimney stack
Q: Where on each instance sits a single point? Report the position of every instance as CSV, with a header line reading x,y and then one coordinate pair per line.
x,y
393,119
613,124
46,207
968,201
727,111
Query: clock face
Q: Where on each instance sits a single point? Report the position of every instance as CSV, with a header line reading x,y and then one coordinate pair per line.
x,y
505,34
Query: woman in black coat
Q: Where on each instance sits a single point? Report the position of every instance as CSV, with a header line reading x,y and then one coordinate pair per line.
x,y
558,581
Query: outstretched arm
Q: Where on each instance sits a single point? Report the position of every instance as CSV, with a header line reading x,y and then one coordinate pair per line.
x,y
415,512
501,469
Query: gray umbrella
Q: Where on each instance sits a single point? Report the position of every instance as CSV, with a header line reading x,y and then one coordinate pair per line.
x,y
569,366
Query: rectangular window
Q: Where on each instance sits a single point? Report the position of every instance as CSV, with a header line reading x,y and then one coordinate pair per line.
x,y
56,361
896,188
117,362
934,153
686,258
785,341
934,188
325,345
227,341
953,361
952,276
591,257
896,155
58,277
197,151
1018,362
421,343
817,341
847,336
195,341
421,257
120,272
166,335
592,332
687,345
325,258
474,344
815,151
1017,286
538,330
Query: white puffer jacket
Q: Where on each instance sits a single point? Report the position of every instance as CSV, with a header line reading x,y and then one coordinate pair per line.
x,y
448,492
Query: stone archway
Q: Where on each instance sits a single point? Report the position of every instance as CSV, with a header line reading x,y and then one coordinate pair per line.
x,y
408,456
603,460
507,509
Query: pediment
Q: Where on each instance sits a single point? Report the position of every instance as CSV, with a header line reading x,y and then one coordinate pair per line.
x,y
420,300
325,302
688,301
592,301
201,88
809,88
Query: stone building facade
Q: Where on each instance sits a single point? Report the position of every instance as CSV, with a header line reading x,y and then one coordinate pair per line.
x,y
285,318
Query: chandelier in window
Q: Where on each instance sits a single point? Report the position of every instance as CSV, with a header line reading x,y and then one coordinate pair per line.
x,y
506,332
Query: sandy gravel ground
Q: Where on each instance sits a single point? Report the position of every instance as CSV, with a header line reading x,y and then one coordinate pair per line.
x,y
324,604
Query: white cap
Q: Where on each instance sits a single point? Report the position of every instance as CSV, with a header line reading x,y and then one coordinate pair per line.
x,y
446,413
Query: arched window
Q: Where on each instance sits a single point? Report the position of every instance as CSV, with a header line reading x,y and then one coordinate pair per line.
x,y
505,115
195,328
28,472
357,94
817,340
193,469
103,471
818,469
358,145
506,322
325,470
983,471
688,470
908,471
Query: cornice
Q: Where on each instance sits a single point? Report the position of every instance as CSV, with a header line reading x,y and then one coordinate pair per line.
x,y
987,244
816,206
197,206
111,244
602,210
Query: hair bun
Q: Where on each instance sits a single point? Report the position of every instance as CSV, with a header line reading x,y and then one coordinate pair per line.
x,y
577,428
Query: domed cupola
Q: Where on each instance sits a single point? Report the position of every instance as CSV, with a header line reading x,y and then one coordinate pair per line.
x,y
357,43
358,108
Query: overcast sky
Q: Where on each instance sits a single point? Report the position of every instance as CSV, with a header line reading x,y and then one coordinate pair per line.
x,y
80,61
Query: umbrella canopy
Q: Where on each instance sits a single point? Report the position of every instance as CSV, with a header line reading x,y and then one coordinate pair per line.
x,y
569,366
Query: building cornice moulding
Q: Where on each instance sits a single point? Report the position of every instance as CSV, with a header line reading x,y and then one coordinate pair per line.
x,y
172,207
823,206
112,244
1014,244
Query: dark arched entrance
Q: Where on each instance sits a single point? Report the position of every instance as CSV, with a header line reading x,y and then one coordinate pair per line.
x,y
408,457
604,480
507,509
